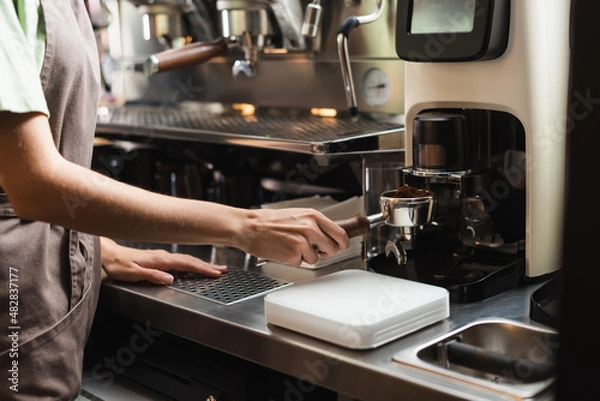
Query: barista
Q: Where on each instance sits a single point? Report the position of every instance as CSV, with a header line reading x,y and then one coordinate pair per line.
x,y
56,214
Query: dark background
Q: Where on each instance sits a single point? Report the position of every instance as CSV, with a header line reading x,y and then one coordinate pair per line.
x,y
579,355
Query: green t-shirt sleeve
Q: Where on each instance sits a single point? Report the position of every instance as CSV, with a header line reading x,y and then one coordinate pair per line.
x,y
21,55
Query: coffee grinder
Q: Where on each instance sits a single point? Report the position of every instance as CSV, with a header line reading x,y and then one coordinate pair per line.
x,y
485,108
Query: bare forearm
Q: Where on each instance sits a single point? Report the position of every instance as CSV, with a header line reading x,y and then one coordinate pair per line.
x,y
88,201
44,186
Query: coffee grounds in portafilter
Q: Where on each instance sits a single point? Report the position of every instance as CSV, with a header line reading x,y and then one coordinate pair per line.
x,y
408,191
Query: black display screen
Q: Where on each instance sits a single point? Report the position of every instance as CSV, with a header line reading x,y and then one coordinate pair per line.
x,y
442,16
452,30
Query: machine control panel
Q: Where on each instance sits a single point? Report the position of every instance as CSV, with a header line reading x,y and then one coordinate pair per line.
x,y
452,30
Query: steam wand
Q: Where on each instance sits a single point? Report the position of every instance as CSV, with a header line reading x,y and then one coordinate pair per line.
x,y
342,49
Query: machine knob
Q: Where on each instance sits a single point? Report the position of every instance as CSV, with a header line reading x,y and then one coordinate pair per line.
x,y
312,19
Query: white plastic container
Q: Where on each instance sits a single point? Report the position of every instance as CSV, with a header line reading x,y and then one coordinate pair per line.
x,y
357,309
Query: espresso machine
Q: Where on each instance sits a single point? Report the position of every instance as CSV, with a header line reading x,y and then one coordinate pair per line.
x,y
234,83
267,53
486,88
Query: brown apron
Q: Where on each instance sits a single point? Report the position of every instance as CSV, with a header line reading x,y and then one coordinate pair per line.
x,y
50,276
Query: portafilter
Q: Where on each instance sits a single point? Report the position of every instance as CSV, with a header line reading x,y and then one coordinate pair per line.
x,y
406,207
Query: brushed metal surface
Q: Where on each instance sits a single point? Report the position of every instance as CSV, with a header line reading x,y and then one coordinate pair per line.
x,y
289,129
349,372
233,286
506,337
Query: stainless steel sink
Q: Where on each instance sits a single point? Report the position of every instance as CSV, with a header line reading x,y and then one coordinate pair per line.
x,y
511,358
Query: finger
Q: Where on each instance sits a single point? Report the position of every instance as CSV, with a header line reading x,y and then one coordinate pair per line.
x,y
155,276
183,262
136,273
325,247
319,252
322,244
189,263
310,255
295,257
337,235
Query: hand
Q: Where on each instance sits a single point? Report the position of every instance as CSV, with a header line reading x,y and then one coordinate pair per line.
x,y
131,264
291,236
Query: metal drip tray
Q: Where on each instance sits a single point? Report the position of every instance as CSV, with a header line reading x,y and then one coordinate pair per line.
x,y
291,130
233,286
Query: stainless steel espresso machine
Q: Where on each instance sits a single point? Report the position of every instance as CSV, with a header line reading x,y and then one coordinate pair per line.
x,y
268,53
252,79
486,89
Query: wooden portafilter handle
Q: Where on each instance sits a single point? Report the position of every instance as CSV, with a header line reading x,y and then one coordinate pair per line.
x,y
357,225
185,56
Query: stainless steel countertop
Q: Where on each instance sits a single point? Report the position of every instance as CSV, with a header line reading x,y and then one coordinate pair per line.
x,y
240,329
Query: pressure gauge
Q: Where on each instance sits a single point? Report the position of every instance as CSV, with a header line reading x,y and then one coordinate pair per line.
x,y
376,87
